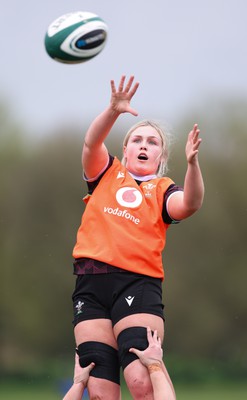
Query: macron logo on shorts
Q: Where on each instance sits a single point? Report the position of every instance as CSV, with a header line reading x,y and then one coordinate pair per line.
x,y
129,300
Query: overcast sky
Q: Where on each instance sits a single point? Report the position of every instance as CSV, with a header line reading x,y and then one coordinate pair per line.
x,y
181,52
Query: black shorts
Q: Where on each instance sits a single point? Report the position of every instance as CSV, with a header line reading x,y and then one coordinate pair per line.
x,y
115,296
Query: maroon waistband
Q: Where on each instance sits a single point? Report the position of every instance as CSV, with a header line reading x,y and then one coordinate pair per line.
x,y
84,266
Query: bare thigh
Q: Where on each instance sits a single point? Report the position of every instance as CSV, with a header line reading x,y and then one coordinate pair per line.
x,y
141,319
99,330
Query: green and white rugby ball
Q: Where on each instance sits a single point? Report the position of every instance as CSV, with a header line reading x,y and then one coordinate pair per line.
x,y
76,37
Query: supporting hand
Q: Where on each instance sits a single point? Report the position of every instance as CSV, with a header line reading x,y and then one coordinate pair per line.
x,y
81,374
153,353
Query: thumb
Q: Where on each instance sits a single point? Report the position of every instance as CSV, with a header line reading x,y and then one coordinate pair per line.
x,y
135,351
91,366
132,111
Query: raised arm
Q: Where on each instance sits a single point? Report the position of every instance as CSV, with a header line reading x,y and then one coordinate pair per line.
x,y
183,204
95,153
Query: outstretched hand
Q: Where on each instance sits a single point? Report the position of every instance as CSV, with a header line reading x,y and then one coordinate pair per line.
x,y
121,96
192,145
81,374
153,353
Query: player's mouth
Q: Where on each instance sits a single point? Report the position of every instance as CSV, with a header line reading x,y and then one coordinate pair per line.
x,y
142,157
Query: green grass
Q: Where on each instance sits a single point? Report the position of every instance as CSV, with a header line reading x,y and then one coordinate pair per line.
x,y
199,392
208,392
212,392
19,392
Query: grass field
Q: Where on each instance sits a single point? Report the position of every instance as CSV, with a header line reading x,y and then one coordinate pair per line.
x,y
204,392
215,392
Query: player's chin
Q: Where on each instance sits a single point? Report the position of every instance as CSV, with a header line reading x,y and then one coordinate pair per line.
x,y
143,170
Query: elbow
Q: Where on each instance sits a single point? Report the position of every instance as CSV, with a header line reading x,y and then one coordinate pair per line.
x,y
194,207
191,206
200,201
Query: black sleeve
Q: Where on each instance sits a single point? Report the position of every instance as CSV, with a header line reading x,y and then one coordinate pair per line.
x,y
166,217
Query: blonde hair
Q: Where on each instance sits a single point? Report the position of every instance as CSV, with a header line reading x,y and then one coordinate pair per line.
x,y
163,168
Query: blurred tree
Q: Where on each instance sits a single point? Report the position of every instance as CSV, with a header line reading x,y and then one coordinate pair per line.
x,y
206,255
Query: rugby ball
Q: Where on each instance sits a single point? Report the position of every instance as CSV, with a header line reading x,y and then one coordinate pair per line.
x,y
76,37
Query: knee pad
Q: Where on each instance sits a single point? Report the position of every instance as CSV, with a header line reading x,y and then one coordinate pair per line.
x,y
105,358
135,336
